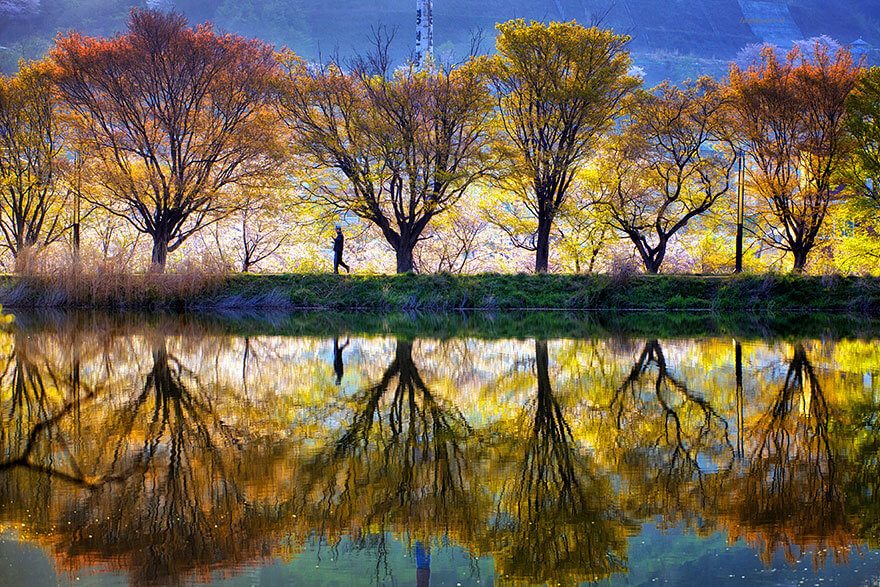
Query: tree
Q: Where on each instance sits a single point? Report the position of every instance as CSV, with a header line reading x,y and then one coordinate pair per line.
x,y
559,87
791,117
399,149
670,163
452,245
173,118
254,235
31,160
862,169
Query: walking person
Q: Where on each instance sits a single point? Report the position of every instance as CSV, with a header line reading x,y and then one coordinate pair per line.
x,y
338,244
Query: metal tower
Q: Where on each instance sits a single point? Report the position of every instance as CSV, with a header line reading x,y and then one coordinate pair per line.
x,y
424,31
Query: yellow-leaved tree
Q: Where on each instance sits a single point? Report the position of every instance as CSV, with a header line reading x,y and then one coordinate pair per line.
x,y
559,88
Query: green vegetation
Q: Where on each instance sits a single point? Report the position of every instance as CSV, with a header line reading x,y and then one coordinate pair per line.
x,y
510,292
484,325
445,292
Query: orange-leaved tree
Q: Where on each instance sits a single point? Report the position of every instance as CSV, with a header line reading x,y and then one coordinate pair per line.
x,y
174,120
791,116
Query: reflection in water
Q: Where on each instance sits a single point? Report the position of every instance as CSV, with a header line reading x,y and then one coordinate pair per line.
x,y
168,452
402,462
338,364
556,518
789,487
666,436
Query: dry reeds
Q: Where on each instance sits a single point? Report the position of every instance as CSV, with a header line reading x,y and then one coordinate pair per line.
x,y
108,284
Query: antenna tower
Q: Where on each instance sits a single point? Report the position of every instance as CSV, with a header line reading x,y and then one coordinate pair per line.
x,y
424,32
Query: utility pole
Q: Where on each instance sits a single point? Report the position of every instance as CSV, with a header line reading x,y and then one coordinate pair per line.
x,y
77,210
424,32
740,417
740,204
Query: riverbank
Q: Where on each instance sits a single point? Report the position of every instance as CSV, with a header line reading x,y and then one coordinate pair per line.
x,y
434,293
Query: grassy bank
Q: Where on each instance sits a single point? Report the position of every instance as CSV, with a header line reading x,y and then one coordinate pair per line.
x,y
446,292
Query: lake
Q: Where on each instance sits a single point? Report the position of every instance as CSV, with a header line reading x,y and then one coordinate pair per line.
x,y
482,449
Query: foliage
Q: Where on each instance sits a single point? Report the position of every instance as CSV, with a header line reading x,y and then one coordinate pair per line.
x,y
168,131
32,162
403,147
862,169
173,119
669,164
206,287
559,88
791,117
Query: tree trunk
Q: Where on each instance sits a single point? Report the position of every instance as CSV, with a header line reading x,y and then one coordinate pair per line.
x,y
800,259
653,257
542,366
593,257
160,254
542,247
405,258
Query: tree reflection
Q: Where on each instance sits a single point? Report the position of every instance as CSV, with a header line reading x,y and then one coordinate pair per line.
x,y
666,436
556,519
789,494
172,456
41,396
161,470
405,461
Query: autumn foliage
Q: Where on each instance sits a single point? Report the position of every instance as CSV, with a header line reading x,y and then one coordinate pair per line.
x,y
400,148
551,145
32,164
791,114
176,120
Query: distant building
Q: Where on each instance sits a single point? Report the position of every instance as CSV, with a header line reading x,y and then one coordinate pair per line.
x,y
863,50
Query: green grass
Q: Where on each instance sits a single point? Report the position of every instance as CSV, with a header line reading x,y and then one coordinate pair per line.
x,y
772,292
566,292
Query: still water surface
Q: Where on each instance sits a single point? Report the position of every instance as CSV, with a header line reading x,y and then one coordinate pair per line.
x,y
327,450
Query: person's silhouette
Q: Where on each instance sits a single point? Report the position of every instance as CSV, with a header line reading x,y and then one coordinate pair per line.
x,y
338,365
338,245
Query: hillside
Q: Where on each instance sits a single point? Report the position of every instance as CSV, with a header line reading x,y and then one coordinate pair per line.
x,y
672,38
